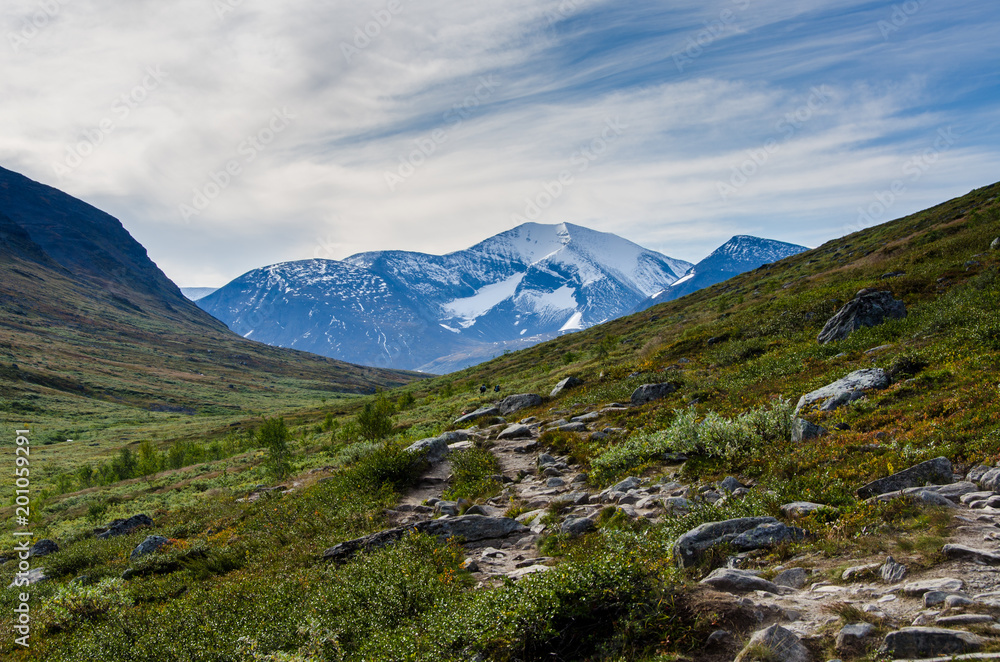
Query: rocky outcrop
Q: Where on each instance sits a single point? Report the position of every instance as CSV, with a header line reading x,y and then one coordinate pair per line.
x,y
937,471
123,527
867,309
852,638
803,430
980,556
470,528
516,431
928,642
435,449
515,403
846,390
650,392
745,534
800,509
43,547
489,411
565,385
780,643
730,580
148,546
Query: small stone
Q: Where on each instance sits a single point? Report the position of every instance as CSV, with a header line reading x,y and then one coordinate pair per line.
x,y
515,431
957,602
650,392
730,484
554,482
577,526
781,643
43,547
565,385
148,546
800,509
892,572
803,430
738,581
964,553
859,572
476,510
627,484
852,638
720,639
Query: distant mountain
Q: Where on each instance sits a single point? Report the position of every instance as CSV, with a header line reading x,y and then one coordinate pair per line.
x,y
195,293
739,255
86,315
441,313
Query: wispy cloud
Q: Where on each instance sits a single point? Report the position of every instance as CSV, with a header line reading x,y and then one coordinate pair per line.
x,y
371,84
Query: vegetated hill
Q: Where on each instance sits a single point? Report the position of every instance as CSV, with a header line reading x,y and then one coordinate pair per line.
x,y
438,313
91,330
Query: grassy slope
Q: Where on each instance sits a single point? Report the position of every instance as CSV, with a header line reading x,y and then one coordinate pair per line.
x,y
250,570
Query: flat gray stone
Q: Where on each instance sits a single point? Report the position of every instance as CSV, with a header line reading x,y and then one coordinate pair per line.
x,y
852,638
792,578
859,572
845,390
515,431
483,412
731,580
650,392
148,546
767,535
30,578
565,385
43,547
964,553
936,471
782,643
927,642
959,620
944,584
800,509
577,526
515,403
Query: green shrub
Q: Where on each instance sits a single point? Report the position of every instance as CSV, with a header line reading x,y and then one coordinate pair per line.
x,y
273,435
375,420
472,470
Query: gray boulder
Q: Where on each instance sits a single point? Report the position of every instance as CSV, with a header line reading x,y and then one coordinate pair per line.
x,y
513,403
565,385
692,545
483,412
123,527
936,471
964,553
577,526
803,430
516,431
845,390
892,572
649,392
730,484
800,509
32,577
148,546
943,584
990,480
767,535
629,483
995,245
852,638
867,309
792,578
929,642
731,580
436,449
781,643
43,547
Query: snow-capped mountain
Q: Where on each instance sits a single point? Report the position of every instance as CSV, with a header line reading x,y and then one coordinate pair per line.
x,y
412,310
740,254
195,293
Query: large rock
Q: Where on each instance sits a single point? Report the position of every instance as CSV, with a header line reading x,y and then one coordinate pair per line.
x,y
767,535
803,430
990,480
43,547
964,553
943,584
148,546
794,578
649,392
731,580
30,578
689,547
470,528
845,390
936,472
781,643
800,509
516,431
565,385
513,403
123,527
483,412
867,309
852,638
436,449
928,642
577,526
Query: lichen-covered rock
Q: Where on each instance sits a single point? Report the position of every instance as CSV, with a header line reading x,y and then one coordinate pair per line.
x,y
936,471
738,581
436,449
690,546
43,547
845,390
867,309
148,546
853,637
516,431
123,527
803,430
483,412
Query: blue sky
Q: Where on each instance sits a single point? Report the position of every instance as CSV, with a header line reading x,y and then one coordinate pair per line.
x,y
230,134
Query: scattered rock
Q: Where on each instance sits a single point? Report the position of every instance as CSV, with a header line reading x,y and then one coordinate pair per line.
x,y
935,471
649,392
123,527
867,309
515,431
483,412
860,572
964,553
690,546
577,526
629,483
767,535
845,390
30,578
893,572
800,509
964,620
852,638
944,584
782,644
731,580
565,385
803,430
995,245
513,403
148,546
792,578
436,449
730,484
720,639
477,510
926,642
43,547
